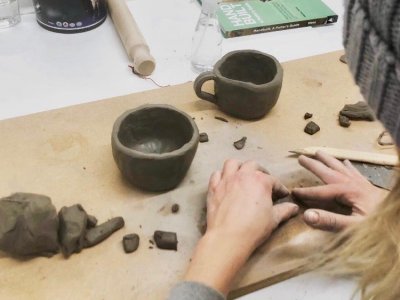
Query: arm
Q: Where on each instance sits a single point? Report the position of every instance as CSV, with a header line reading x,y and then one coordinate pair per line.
x,y
240,216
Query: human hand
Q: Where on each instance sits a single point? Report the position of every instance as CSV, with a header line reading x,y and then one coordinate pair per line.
x,y
239,203
345,185
240,216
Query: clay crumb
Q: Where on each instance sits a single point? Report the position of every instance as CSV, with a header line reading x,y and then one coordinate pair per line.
x,y
84,168
343,59
203,138
151,242
150,247
221,119
175,208
358,111
311,128
130,242
239,145
166,240
307,115
344,121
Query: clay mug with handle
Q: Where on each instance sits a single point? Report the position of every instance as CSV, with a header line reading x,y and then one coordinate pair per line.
x,y
247,83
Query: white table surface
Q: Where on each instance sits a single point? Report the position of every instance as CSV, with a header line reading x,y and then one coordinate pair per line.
x,y
41,70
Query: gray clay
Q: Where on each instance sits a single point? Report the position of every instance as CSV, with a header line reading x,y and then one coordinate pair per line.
x,y
72,230
307,115
203,138
166,240
130,242
240,143
154,145
344,121
221,119
28,225
247,83
91,221
358,111
343,59
311,128
175,208
101,232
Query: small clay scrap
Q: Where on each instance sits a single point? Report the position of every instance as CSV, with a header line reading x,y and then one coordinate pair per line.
x,y
343,59
72,230
175,208
358,111
165,240
101,232
311,128
203,137
307,115
91,221
28,225
130,242
221,119
240,143
344,121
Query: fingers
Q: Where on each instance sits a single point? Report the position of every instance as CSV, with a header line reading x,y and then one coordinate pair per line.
x,y
283,211
331,162
231,166
322,193
278,189
215,179
324,220
252,165
325,173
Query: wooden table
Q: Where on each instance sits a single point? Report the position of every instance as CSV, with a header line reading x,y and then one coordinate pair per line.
x,y
66,154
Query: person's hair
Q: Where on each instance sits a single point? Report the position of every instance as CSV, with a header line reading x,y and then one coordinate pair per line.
x,y
369,251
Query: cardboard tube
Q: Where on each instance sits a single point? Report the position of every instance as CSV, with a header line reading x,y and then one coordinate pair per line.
x,y
133,40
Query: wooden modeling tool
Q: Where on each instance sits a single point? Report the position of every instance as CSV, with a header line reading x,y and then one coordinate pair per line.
x,y
133,40
368,157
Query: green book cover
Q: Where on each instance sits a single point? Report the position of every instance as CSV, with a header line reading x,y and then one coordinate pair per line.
x,y
254,16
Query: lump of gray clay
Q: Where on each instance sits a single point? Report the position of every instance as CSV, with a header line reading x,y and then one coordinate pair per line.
x,y
166,240
28,225
343,59
311,128
91,221
240,143
203,137
100,233
175,208
344,121
358,111
130,242
72,230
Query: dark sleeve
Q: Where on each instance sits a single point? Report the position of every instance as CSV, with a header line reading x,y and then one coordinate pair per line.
x,y
189,290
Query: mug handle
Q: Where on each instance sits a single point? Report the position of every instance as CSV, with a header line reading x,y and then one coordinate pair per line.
x,y
198,84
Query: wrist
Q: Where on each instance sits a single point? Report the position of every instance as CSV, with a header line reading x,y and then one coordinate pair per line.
x,y
217,259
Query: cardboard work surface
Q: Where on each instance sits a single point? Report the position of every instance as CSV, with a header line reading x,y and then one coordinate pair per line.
x,y
66,154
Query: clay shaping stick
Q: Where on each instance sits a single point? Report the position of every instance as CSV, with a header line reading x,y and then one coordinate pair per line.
x,y
368,157
133,40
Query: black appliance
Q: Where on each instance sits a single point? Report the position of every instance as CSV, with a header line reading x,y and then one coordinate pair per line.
x,y
70,16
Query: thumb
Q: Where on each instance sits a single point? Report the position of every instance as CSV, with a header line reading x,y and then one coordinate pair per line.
x,y
325,220
283,211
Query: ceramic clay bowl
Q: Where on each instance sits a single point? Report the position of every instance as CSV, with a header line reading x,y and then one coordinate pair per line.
x,y
154,145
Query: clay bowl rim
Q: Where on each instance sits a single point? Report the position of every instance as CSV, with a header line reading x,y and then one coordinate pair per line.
x,y
278,76
128,151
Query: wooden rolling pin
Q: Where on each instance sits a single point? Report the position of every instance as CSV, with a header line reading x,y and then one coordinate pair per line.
x,y
368,157
133,40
